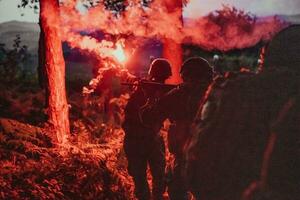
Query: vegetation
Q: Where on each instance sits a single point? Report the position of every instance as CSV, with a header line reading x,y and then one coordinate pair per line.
x,y
31,168
12,61
232,60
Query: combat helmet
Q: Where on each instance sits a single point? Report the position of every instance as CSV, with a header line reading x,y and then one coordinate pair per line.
x,y
196,69
283,52
160,69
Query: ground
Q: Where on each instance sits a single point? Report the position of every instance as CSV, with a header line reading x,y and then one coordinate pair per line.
x,y
33,168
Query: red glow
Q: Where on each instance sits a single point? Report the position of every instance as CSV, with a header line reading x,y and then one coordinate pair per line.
x,y
103,49
119,53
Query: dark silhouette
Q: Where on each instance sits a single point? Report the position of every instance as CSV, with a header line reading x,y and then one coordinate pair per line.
x,y
143,145
234,124
280,175
180,106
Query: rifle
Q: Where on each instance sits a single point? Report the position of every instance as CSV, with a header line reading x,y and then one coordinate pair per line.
x,y
150,85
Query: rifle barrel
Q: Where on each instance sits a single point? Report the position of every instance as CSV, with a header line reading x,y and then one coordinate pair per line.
x,y
148,83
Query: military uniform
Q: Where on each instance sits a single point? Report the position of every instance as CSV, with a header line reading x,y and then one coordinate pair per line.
x,y
180,106
142,144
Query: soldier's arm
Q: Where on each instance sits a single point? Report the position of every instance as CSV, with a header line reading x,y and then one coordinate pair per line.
x,y
158,111
168,103
136,100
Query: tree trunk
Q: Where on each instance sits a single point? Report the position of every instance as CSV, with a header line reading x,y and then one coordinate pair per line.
x,y
172,50
54,66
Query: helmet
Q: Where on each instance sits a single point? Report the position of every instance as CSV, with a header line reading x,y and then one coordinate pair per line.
x,y
284,50
196,68
160,69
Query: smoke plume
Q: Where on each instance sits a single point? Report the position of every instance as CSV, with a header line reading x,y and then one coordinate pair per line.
x,y
224,29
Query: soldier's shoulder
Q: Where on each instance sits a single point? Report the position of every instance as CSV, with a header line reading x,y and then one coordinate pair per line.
x,y
173,94
233,79
230,80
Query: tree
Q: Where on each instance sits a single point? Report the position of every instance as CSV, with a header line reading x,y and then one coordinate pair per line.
x,y
172,50
54,66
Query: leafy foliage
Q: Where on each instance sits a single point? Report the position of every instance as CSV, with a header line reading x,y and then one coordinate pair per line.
x,y
29,3
113,5
11,61
231,15
232,60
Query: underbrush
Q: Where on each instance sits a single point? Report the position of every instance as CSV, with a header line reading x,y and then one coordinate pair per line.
x,y
31,167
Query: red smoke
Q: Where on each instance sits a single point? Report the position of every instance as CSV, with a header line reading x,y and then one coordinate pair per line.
x,y
224,30
101,49
230,28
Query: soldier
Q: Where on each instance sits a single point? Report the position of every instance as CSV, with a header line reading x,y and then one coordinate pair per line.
x,y
180,106
227,147
143,145
280,174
